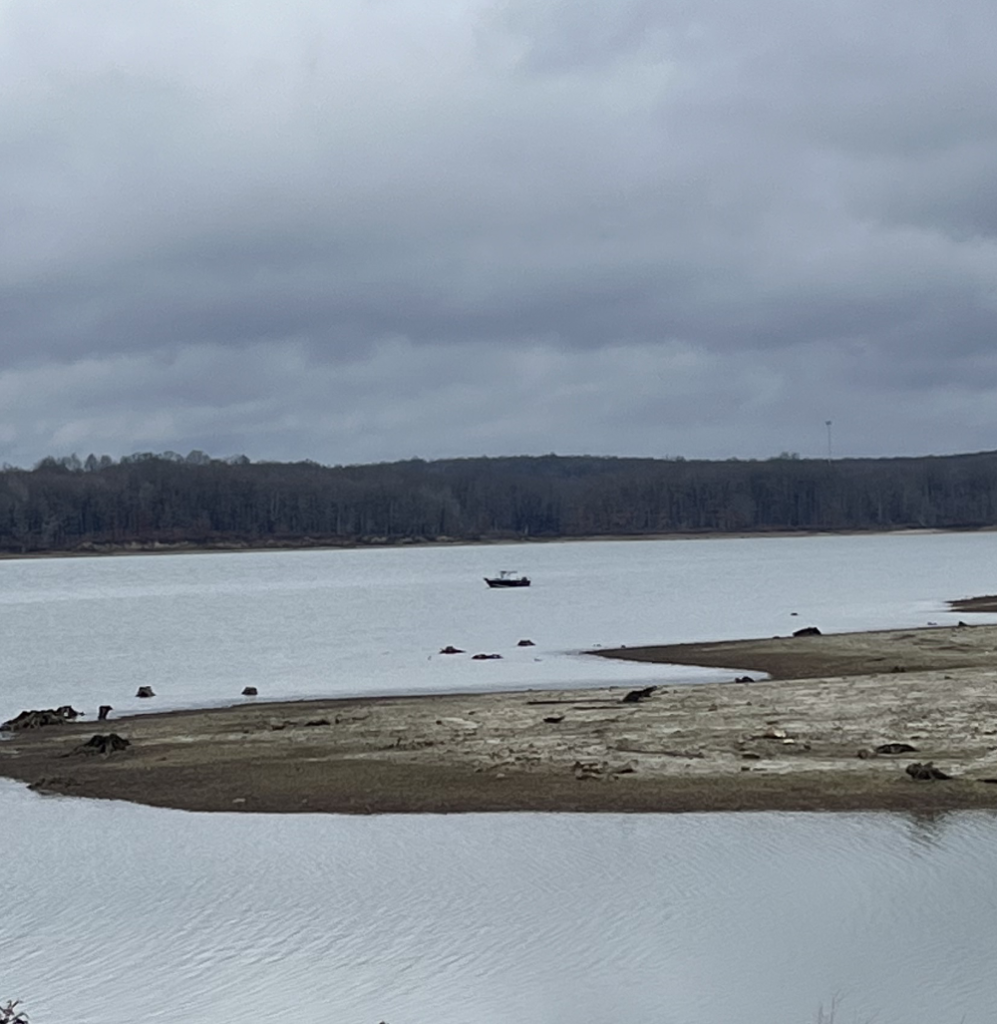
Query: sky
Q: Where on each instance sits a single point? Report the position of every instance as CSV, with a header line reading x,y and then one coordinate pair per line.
x,y
381,229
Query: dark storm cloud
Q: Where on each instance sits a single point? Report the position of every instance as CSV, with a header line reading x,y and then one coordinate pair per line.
x,y
375,230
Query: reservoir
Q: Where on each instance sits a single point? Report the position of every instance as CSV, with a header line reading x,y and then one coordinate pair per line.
x,y
116,913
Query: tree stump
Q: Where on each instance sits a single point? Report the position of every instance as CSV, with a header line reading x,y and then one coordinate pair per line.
x,y
38,719
109,744
636,696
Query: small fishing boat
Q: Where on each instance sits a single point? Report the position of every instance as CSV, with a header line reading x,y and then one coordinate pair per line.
x,y
508,579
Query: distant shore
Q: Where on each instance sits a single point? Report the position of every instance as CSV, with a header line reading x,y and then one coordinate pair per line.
x,y
102,550
805,740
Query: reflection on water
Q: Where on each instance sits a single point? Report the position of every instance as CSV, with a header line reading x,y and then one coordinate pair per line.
x,y
116,914
926,828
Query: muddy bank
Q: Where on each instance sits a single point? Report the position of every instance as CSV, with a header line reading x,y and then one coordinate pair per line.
x,y
807,743
986,603
837,654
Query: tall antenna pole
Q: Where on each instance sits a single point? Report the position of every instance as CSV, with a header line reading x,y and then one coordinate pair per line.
x,y
827,423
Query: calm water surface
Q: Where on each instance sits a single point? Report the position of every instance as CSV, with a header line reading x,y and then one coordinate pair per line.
x,y
197,628
114,913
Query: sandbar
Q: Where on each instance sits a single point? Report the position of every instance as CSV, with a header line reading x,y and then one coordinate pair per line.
x,y
803,740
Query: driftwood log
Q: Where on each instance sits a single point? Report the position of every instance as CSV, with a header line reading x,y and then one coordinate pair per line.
x,y
925,771
895,748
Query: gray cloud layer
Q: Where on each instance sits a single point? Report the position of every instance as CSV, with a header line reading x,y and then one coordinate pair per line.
x,y
377,228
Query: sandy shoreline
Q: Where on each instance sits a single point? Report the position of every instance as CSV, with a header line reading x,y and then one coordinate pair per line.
x,y
792,743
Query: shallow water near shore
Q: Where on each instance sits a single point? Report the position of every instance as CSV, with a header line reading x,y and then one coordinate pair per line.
x,y
116,913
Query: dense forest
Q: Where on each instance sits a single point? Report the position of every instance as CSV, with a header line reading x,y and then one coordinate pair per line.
x,y
150,500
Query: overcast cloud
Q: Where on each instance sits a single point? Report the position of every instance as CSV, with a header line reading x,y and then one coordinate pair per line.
x,y
378,229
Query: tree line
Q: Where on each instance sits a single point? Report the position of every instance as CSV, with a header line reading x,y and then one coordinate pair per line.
x,y
149,499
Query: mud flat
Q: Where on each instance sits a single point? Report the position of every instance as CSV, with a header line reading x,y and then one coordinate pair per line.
x,y
804,740
986,603
838,654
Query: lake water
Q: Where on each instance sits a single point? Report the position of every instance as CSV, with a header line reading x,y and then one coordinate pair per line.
x,y
197,628
115,914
